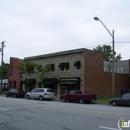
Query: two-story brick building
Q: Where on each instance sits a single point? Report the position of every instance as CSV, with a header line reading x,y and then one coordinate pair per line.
x,y
78,69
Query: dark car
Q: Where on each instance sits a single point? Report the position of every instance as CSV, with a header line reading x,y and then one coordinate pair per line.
x,y
124,100
77,96
15,93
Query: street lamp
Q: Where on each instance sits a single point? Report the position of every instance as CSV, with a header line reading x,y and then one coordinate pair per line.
x,y
113,60
2,63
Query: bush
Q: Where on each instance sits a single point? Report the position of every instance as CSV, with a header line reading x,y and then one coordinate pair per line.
x,y
6,89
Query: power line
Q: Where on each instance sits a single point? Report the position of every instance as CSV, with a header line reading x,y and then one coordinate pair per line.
x,y
122,42
110,43
124,38
99,44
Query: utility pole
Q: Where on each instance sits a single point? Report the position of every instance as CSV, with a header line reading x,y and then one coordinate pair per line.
x,y
2,63
113,59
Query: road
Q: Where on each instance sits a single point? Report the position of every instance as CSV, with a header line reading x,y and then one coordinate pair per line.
x,y
23,114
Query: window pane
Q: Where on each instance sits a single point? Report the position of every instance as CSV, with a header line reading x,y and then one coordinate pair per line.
x,y
78,67
49,90
62,68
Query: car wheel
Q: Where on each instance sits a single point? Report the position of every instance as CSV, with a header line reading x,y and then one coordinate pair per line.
x,y
14,96
6,95
63,99
40,98
81,100
28,97
114,103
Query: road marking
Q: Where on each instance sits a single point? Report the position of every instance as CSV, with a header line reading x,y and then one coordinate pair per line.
x,y
3,109
105,108
69,109
108,128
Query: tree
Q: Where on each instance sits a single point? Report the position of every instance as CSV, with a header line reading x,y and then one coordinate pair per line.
x,y
107,52
27,68
4,71
42,71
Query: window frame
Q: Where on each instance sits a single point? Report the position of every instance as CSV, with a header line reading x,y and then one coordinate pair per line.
x,y
105,69
114,70
52,69
77,65
119,70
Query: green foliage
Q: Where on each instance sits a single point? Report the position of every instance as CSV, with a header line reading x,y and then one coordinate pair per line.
x,y
26,68
4,71
107,52
6,89
42,71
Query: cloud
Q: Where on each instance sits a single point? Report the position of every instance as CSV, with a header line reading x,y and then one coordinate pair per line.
x,y
32,27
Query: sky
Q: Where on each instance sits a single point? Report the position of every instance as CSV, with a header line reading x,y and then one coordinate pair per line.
x,y
37,27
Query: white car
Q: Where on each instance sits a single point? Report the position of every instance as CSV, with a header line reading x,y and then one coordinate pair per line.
x,y
41,93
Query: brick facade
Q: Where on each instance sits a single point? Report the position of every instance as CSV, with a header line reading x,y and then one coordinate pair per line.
x,y
14,78
99,82
91,77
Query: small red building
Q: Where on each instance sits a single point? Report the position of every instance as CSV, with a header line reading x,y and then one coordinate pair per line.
x,y
15,79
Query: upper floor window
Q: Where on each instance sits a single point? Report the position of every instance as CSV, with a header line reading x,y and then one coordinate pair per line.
x,y
52,68
114,70
64,66
39,67
120,70
105,69
77,64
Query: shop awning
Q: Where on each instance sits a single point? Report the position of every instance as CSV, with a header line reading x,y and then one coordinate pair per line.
x,y
50,80
77,63
66,64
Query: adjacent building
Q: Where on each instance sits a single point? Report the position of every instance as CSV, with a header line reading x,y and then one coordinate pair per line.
x,y
122,67
15,79
4,83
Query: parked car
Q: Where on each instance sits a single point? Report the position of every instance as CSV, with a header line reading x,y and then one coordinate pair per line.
x,y
78,96
41,93
124,100
15,93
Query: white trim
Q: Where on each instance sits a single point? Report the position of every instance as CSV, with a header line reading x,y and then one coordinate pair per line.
x,y
108,128
114,70
65,70
105,69
120,70
78,69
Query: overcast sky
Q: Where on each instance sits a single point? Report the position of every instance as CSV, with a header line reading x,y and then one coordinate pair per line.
x,y
36,27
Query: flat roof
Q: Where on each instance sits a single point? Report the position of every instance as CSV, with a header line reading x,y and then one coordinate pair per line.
x,y
81,50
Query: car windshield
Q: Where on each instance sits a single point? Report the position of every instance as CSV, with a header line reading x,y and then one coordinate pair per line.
x,y
19,90
49,90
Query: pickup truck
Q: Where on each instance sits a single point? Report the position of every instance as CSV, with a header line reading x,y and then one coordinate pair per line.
x,y
78,96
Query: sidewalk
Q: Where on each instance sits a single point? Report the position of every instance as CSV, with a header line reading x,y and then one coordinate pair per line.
x,y
56,99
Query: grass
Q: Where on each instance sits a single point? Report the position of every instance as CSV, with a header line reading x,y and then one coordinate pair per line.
x,y
103,100
3,92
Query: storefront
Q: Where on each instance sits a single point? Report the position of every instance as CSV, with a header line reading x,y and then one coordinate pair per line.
x,y
29,84
69,83
50,83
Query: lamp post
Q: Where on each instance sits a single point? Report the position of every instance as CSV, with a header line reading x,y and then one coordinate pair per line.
x,y
2,63
113,60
